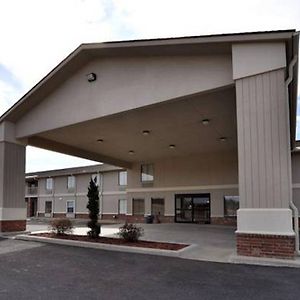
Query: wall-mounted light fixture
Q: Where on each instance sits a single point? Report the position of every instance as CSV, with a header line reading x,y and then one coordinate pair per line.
x,y
223,139
131,152
100,140
172,146
91,77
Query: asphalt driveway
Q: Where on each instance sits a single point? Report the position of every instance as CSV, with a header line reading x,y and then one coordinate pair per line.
x,y
37,271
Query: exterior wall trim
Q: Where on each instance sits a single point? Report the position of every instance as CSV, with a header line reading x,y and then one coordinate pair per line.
x,y
11,214
265,221
183,188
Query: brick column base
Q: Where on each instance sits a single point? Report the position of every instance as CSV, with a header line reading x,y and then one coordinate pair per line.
x,y
261,245
12,225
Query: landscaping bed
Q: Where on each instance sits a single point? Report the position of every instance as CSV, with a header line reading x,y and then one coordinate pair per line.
x,y
115,241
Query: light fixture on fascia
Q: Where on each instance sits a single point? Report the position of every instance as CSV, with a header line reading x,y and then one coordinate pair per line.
x,y
91,77
146,132
100,140
205,122
223,139
172,146
131,152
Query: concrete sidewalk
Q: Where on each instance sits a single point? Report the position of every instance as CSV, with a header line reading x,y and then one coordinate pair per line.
x,y
208,242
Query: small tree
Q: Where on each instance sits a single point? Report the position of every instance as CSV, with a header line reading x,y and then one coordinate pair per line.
x,y
93,207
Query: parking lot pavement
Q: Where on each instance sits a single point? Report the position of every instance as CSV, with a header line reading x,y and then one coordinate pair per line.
x,y
8,245
59,272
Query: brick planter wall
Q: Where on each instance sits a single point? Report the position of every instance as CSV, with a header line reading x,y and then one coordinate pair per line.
x,y
11,226
81,216
260,245
56,215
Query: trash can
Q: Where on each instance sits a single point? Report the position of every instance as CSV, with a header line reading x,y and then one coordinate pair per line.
x,y
149,219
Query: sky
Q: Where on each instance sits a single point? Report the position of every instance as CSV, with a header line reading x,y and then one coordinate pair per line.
x,y
37,35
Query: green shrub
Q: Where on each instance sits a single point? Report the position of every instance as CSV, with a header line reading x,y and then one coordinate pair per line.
x,y
61,226
130,232
93,207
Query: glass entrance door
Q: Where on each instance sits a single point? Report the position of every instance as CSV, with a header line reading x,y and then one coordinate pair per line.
x,y
192,208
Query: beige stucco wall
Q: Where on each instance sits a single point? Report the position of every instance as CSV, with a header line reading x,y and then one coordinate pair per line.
x,y
61,193
82,182
205,169
119,78
216,199
111,181
214,173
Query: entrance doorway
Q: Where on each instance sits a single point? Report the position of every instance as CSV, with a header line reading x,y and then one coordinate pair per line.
x,y
192,208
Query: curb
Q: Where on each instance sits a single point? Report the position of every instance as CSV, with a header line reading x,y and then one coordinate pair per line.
x,y
264,261
107,247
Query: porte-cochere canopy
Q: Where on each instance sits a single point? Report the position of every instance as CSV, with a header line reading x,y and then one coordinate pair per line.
x,y
208,112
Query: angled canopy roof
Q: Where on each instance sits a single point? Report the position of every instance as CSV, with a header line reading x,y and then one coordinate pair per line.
x,y
165,46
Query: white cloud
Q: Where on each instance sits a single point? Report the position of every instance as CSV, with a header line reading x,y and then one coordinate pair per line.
x,y
193,17
36,35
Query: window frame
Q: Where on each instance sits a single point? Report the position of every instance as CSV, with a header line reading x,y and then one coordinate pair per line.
x,y
70,201
133,207
119,178
49,213
119,207
74,181
231,198
52,184
147,173
163,211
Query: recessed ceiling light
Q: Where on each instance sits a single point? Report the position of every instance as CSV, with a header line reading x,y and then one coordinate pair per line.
x,y
100,141
223,139
205,122
172,146
131,152
146,132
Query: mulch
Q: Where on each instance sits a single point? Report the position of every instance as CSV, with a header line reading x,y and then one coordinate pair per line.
x,y
115,241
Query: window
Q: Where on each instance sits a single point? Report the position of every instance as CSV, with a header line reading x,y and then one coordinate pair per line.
x,y
70,207
48,207
49,184
122,206
231,205
71,183
138,206
157,207
123,178
95,177
147,173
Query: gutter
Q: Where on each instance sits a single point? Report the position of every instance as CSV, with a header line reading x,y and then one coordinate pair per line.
x,y
292,205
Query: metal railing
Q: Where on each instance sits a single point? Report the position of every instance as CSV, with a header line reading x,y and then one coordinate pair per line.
x,y
31,190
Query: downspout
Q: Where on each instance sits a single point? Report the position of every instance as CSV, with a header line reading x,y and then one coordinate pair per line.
x,y
101,193
292,205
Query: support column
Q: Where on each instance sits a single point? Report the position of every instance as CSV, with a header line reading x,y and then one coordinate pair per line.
x,y
264,221
12,181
